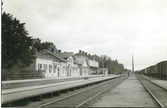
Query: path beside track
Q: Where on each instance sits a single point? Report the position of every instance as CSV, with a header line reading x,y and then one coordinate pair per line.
x,y
162,83
129,93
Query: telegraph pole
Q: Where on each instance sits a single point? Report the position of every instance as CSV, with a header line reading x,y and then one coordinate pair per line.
x,y
166,53
132,65
103,63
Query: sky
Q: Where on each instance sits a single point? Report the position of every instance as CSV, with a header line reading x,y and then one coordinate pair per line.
x,y
116,28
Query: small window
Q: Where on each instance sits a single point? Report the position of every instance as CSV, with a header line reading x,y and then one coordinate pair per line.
x,y
58,70
55,68
50,68
45,67
39,66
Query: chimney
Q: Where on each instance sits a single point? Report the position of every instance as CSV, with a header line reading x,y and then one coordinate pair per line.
x,y
59,51
88,54
80,51
83,52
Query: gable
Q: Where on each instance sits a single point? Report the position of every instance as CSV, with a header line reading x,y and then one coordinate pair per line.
x,y
85,64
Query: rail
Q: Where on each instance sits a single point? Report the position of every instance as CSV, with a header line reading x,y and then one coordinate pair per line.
x,y
83,91
154,97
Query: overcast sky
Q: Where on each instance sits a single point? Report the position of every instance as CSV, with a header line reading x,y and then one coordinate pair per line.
x,y
116,28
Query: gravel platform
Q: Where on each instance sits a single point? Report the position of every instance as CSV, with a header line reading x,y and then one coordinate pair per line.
x,y
129,93
162,83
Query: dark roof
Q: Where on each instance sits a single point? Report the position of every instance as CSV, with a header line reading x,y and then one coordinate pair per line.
x,y
81,61
44,55
56,55
66,54
81,54
41,55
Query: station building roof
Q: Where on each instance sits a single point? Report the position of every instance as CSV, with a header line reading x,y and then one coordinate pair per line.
x,y
56,55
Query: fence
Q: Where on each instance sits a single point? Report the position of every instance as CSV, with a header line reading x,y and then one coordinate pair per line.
x,y
22,74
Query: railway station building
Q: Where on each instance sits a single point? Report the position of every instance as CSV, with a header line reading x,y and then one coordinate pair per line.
x,y
87,66
49,62
58,64
103,71
71,68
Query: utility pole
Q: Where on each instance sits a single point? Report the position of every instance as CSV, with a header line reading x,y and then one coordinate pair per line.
x,y
132,65
102,60
166,53
103,63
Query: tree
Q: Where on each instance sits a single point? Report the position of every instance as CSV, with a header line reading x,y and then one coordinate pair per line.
x,y
112,65
49,46
16,44
38,45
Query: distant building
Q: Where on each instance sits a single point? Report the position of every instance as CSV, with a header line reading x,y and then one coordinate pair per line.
x,y
48,61
55,64
94,66
103,71
71,66
87,65
82,60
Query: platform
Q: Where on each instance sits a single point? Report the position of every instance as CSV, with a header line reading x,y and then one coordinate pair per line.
x,y
10,95
33,82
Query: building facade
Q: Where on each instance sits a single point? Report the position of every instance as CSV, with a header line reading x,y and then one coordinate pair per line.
x,y
55,64
88,66
103,71
94,66
52,65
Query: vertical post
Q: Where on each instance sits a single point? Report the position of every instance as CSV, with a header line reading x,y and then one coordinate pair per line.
x,y
166,53
132,65
103,65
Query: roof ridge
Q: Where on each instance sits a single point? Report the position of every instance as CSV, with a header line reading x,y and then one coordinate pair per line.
x,y
55,55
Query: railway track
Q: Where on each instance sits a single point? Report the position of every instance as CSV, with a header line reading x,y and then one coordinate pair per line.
x,y
78,99
158,93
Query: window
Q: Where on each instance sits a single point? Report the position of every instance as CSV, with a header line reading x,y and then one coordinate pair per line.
x,y
50,68
45,67
55,69
39,66
58,70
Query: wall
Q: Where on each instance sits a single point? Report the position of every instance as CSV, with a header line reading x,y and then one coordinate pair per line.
x,y
93,63
48,64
